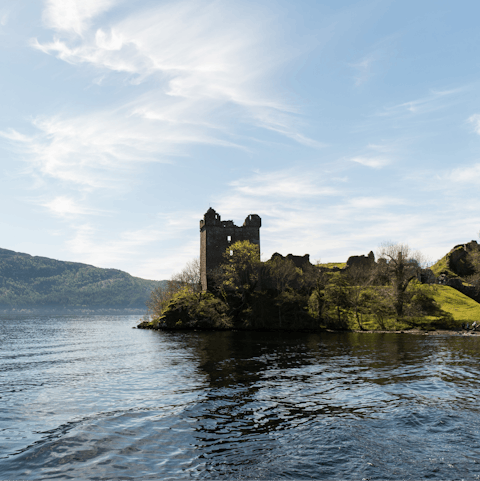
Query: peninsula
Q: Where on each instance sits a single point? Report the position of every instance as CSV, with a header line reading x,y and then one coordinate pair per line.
x,y
231,288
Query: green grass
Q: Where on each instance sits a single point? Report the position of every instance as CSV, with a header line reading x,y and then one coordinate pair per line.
x,y
442,266
340,265
462,308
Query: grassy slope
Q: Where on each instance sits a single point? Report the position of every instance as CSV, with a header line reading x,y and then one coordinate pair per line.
x,y
459,305
441,266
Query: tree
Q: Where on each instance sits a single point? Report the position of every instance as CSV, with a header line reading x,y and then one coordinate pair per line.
x,y
187,279
240,270
399,265
189,276
336,298
358,294
282,275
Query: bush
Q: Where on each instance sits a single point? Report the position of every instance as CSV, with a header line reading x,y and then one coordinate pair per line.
x,y
187,310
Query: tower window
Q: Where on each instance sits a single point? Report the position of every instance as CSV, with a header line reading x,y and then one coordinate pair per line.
x,y
231,253
229,238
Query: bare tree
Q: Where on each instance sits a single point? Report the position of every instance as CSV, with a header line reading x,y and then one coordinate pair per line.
x,y
188,278
398,264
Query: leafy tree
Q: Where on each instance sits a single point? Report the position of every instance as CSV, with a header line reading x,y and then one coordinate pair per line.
x,y
380,305
282,273
358,294
285,278
336,299
189,310
240,271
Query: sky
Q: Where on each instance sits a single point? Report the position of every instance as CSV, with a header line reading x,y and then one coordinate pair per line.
x,y
343,124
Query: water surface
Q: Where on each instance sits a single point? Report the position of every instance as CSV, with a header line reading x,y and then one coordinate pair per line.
x,y
90,397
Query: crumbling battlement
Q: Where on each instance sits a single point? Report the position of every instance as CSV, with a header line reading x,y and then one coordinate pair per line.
x,y
216,235
362,262
299,261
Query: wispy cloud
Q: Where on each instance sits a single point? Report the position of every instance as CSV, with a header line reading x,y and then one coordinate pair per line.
x,y
96,246
208,79
375,202
4,16
475,120
344,222
364,69
74,15
430,103
284,184
373,162
67,207
468,174
102,149
193,49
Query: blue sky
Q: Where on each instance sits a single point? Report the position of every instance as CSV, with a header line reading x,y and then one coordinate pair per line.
x,y
343,124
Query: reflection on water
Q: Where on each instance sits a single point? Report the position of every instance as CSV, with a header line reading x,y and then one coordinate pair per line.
x,y
88,397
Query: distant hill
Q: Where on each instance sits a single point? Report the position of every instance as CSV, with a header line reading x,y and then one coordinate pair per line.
x,y
40,282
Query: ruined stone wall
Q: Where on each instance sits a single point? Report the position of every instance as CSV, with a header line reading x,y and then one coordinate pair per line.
x,y
362,262
217,235
298,261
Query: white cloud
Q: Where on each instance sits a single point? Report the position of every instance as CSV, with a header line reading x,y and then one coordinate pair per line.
x,y
15,136
475,120
375,202
295,220
104,148
469,174
380,148
67,207
4,15
194,52
74,15
283,184
209,77
94,245
87,246
374,162
345,223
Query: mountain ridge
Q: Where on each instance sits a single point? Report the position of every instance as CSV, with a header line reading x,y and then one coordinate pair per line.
x,y
28,281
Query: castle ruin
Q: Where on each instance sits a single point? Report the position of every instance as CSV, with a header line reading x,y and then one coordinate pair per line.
x,y
217,235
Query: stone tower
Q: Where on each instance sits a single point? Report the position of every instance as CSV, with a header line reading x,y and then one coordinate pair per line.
x,y
217,235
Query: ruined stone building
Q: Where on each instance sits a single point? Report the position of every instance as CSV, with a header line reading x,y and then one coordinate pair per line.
x,y
217,235
298,261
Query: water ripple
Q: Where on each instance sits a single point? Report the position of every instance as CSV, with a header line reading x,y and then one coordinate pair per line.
x,y
88,397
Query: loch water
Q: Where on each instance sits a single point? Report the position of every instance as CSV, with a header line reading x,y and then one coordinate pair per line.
x,y
88,397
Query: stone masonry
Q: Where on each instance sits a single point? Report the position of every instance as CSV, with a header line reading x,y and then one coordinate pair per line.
x,y
217,235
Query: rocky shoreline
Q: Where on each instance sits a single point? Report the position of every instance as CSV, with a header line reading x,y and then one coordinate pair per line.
x,y
417,332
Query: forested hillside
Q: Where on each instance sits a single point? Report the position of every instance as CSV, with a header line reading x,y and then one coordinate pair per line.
x,y
39,282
